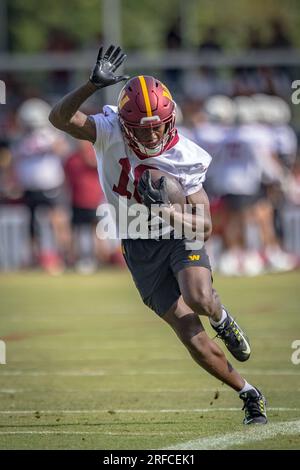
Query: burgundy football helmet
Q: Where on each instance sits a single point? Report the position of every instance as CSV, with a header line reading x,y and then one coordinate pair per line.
x,y
146,103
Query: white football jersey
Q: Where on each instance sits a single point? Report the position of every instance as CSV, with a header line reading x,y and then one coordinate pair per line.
x,y
120,168
37,165
210,136
286,143
243,163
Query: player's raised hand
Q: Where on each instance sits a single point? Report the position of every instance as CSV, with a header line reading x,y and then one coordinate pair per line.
x,y
149,193
103,74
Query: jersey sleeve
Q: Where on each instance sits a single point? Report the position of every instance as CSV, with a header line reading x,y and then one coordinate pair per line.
x,y
103,131
194,177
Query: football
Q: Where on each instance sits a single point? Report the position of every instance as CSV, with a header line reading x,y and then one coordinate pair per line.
x,y
174,188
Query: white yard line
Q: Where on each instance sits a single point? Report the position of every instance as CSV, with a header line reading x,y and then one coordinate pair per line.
x,y
112,390
111,410
96,373
104,433
251,434
195,391
270,372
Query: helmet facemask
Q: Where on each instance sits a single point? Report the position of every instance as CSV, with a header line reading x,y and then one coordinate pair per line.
x,y
141,146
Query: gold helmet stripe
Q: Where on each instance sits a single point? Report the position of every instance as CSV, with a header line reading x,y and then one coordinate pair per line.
x,y
145,95
166,92
123,101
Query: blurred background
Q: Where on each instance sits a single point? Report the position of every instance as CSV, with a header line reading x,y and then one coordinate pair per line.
x,y
230,67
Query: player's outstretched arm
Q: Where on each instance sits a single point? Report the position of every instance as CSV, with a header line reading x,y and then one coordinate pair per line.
x,y
66,116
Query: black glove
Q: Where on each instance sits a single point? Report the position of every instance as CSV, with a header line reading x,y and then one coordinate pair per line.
x,y
103,73
151,195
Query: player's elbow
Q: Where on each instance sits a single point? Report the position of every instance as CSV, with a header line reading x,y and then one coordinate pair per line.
x,y
55,119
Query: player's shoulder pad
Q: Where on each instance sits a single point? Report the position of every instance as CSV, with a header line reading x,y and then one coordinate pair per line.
x,y
110,113
107,126
193,152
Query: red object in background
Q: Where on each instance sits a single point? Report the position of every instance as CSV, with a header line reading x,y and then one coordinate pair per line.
x,y
82,175
219,215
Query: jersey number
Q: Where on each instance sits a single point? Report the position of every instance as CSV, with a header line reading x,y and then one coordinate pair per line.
x,y
121,189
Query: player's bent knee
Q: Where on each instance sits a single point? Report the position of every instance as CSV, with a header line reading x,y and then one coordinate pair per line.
x,y
186,327
199,346
200,301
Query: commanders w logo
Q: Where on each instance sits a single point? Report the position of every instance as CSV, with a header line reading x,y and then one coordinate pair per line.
x,y
194,257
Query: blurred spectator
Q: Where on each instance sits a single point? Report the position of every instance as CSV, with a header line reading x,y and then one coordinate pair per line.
x,y
86,195
39,171
205,80
279,35
192,115
280,39
173,36
9,190
219,116
293,184
274,81
210,41
254,40
247,80
199,84
173,42
60,41
93,42
264,79
245,171
275,114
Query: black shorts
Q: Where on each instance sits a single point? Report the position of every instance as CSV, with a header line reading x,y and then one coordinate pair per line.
x,y
82,216
51,198
238,202
36,199
154,265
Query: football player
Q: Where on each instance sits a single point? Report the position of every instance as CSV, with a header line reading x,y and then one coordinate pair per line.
x,y
38,155
174,281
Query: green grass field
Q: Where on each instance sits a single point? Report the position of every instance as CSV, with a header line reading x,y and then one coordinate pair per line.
x,y
90,367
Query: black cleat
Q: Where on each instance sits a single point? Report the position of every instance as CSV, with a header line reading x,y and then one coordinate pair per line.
x,y
235,340
255,407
